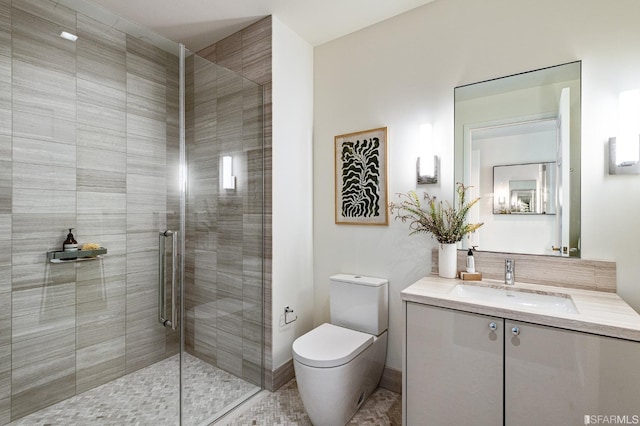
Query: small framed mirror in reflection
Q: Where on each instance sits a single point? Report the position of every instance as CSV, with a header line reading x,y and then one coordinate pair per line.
x,y
525,189
517,144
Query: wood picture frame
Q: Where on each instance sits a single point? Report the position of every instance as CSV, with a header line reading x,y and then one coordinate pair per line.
x,y
361,178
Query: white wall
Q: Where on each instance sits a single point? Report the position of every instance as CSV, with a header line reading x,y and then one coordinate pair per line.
x,y
292,187
402,72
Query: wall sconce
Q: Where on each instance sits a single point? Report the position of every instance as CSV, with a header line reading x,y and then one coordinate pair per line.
x,y
228,180
427,163
624,149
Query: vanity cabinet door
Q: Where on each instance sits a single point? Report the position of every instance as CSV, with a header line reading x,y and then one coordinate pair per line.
x,y
453,367
557,377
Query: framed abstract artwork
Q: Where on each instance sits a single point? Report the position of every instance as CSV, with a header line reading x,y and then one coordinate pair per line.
x,y
361,178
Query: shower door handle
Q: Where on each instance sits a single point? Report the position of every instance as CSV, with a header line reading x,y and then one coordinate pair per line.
x,y
162,302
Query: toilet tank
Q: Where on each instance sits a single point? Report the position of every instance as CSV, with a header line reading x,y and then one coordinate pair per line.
x,y
359,303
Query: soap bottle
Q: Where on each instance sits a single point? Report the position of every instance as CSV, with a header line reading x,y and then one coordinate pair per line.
x,y
70,244
471,266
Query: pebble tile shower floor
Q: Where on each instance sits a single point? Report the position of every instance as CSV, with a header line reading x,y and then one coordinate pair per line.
x,y
149,397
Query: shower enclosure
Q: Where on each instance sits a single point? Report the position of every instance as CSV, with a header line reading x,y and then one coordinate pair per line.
x,y
155,154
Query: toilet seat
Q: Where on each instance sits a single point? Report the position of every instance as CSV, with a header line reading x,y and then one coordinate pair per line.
x,y
330,346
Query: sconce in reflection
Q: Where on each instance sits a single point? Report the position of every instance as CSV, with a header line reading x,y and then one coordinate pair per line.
x,y
624,149
228,180
427,163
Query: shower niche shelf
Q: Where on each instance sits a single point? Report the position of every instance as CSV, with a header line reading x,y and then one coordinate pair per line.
x,y
75,256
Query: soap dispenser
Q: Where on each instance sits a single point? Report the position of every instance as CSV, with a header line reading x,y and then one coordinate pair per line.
x,y
471,266
70,244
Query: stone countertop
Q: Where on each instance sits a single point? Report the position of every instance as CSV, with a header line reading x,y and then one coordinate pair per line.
x,y
599,312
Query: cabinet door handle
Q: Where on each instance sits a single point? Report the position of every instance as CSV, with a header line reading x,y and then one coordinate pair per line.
x,y
515,330
493,326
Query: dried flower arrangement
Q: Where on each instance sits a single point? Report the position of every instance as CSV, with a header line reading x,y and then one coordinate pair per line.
x,y
445,223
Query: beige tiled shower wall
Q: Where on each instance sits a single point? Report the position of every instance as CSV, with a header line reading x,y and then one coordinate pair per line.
x,y
87,130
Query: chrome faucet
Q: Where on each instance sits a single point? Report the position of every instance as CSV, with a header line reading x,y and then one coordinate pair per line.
x,y
509,271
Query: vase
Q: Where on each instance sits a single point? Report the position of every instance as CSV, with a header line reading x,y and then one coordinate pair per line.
x,y
447,260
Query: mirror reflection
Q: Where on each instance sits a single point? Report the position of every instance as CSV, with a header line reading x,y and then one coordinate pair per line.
x,y
517,143
525,188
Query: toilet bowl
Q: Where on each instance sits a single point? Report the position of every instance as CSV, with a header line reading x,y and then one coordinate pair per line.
x,y
338,367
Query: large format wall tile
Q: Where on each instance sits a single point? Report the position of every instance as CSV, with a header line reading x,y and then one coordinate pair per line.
x,y
100,363
5,27
255,65
49,228
144,67
44,166
101,170
43,371
5,187
101,202
101,53
145,337
43,128
256,53
5,383
5,118
43,201
100,106
43,337
49,10
224,310
5,273
147,123
43,151
35,38
53,177
84,131
113,139
100,320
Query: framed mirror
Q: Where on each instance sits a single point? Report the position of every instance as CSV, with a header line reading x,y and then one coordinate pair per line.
x,y
517,143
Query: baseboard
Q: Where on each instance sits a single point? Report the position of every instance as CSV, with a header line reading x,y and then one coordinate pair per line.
x,y
280,376
391,379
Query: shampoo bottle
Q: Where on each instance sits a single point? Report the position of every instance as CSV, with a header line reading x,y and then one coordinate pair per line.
x,y
471,266
70,244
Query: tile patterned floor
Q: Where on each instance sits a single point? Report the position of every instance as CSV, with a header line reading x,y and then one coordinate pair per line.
x,y
148,397
207,391
284,407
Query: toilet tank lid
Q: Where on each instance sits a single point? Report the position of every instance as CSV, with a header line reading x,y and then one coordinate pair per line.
x,y
330,345
359,279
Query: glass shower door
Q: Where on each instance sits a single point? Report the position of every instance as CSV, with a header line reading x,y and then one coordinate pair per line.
x,y
222,351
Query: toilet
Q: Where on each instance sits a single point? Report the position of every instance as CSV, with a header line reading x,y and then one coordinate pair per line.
x,y
339,364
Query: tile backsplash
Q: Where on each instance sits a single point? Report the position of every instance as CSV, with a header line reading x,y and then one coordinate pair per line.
x,y
585,274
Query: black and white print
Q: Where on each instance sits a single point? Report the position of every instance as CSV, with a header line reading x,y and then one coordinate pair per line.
x,y
361,177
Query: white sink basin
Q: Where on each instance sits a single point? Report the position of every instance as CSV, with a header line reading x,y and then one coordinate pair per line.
x,y
517,298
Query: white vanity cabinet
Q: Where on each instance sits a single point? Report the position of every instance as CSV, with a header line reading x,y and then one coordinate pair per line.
x,y
459,370
557,377
454,363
